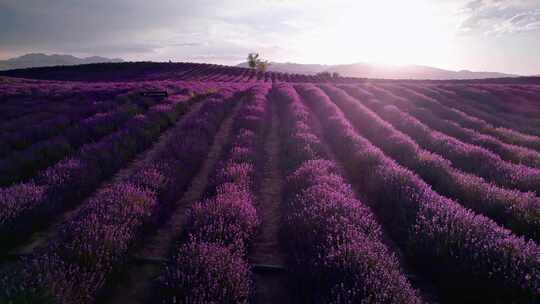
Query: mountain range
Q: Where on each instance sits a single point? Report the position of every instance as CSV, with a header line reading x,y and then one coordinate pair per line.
x,y
42,60
368,70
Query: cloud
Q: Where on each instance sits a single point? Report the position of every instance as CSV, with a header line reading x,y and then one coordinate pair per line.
x,y
111,48
88,26
499,17
141,29
527,21
281,30
185,44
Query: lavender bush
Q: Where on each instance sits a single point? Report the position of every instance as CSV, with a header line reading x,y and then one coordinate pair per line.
x,y
466,254
333,239
516,210
73,178
224,223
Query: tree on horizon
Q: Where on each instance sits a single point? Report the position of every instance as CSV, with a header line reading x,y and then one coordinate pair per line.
x,y
255,62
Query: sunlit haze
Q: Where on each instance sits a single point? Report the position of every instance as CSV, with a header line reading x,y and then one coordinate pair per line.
x,y
488,35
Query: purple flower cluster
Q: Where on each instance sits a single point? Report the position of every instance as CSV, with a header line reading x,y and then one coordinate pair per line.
x,y
465,156
74,265
430,99
206,273
24,136
466,103
95,242
71,179
31,142
465,254
21,165
452,122
225,223
335,243
511,100
516,210
31,118
508,152
98,125
486,105
26,102
517,99
24,164
19,93
49,119
39,107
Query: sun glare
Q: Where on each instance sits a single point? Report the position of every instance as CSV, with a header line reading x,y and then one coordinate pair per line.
x,y
391,32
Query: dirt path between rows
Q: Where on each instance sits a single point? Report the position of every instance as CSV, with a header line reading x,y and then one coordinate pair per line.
x,y
267,256
135,285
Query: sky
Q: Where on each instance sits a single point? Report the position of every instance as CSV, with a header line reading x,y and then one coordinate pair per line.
x,y
479,35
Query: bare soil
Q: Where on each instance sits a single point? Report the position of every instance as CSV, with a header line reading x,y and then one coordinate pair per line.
x,y
267,257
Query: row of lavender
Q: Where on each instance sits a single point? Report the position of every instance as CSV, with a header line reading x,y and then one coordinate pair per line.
x,y
335,244
42,143
29,205
467,157
46,99
520,100
503,100
465,254
467,101
15,90
209,266
490,104
24,103
18,134
427,111
65,137
508,152
26,92
519,211
44,111
429,99
77,264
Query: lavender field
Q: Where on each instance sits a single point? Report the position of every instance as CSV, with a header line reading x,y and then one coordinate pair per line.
x,y
243,186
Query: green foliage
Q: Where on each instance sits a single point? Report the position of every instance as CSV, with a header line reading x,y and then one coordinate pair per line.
x,y
252,60
255,62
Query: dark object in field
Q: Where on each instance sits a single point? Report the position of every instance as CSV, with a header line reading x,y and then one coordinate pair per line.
x,y
158,94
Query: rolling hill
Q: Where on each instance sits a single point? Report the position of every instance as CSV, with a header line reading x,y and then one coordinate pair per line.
x,y
43,60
